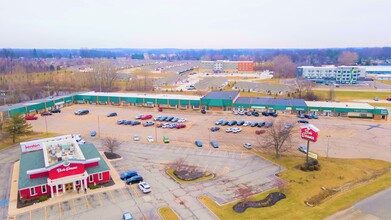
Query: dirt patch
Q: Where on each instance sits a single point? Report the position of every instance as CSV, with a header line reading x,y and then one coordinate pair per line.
x,y
270,200
112,156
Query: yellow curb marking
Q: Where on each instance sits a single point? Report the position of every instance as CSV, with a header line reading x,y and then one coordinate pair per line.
x,y
88,204
100,200
74,205
59,207
45,213
30,214
112,197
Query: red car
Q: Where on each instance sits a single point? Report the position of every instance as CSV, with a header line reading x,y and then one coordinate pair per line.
x,y
145,117
388,99
260,132
178,126
30,117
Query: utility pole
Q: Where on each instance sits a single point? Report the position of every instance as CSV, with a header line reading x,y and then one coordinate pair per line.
x,y
46,125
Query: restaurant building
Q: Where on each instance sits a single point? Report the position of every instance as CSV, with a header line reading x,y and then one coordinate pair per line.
x,y
59,165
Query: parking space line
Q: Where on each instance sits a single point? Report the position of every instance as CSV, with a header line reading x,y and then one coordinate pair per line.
x,y
74,205
88,204
30,214
59,207
112,197
44,213
122,192
100,200
136,192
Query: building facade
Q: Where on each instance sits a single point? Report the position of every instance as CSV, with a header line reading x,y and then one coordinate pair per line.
x,y
332,74
59,165
227,66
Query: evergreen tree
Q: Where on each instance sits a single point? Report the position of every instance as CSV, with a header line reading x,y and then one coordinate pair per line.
x,y
17,126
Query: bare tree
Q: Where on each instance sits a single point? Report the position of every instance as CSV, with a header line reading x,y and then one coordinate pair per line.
x,y
278,138
244,193
302,86
179,163
348,58
283,67
111,144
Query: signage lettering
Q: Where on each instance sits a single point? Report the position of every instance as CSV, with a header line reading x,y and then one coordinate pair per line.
x,y
60,170
32,146
309,133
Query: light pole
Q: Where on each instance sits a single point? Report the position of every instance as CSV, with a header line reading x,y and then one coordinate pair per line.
x,y
328,141
98,127
46,125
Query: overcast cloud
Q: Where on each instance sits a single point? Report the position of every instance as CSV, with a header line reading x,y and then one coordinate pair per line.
x,y
195,24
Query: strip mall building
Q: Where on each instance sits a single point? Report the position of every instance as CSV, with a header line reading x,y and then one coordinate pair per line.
x,y
58,165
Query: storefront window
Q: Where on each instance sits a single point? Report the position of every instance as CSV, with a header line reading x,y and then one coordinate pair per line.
x,y
44,189
32,191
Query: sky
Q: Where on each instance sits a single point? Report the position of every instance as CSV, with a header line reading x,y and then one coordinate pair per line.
x,y
194,24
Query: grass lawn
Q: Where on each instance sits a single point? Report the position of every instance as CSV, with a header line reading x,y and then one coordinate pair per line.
x,y
378,104
171,173
8,141
346,96
168,214
303,185
384,81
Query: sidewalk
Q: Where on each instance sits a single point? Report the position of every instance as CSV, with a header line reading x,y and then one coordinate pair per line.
x,y
12,207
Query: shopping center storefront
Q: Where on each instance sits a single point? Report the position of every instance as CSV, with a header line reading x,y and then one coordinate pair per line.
x,y
58,165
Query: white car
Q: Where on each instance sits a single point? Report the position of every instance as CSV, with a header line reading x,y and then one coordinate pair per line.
x,y
182,120
150,139
228,130
247,146
157,117
144,187
139,116
247,123
236,130
235,112
136,138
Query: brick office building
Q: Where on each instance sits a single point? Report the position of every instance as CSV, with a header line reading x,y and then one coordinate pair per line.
x,y
59,165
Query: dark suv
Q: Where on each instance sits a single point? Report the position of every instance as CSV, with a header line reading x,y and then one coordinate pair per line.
x,y
134,179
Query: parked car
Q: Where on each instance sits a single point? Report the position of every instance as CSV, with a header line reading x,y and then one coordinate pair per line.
x,y
136,138
233,122
203,111
30,117
302,149
268,124
309,116
135,123
144,187
376,99
46,113
219,121
93,133
56,110
228,130
215,128
175,120
139,116
388,99
247,123
112,114
120,122
258,132
247,146
301,116
150,139
254,124
160,109
288,126
256,114
178,126
248,113
214,144
198,143
169,118
134,179
261,124
148,123
274,114
314,116
224,123
165,139
236,130
128,122
265,113
303,121
240,123
82,112
145,117
127,216
128,174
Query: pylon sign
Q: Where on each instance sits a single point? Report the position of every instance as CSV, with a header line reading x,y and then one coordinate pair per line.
x,y
309,132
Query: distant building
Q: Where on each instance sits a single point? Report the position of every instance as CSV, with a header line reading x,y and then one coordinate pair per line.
x,y
378,70
227,66
332,74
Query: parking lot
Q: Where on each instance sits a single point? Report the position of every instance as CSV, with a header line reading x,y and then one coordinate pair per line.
x,y
232,170
339,137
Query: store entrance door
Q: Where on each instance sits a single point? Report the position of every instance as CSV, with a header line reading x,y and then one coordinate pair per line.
x,y
68,186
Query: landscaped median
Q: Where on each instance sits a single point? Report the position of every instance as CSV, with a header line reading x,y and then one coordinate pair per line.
x,y
168,214
351,179
171,171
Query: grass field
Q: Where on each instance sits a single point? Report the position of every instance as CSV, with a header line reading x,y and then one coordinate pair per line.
x,y
8,141
168,214
384,81
377,104
303,185
346,96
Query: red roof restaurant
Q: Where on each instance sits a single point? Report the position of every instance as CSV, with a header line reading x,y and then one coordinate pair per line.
x,y
59,165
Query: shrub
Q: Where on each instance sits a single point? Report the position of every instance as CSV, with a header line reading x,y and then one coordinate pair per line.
x,y
303,167
92,186
42,198
311,168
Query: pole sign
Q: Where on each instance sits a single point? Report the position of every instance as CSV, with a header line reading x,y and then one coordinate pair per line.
x,y
309,132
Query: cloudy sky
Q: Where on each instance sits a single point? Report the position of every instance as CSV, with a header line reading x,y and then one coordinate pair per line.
x,y
194,23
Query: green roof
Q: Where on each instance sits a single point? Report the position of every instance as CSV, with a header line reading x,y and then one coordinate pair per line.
x,y
89,152
30,161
